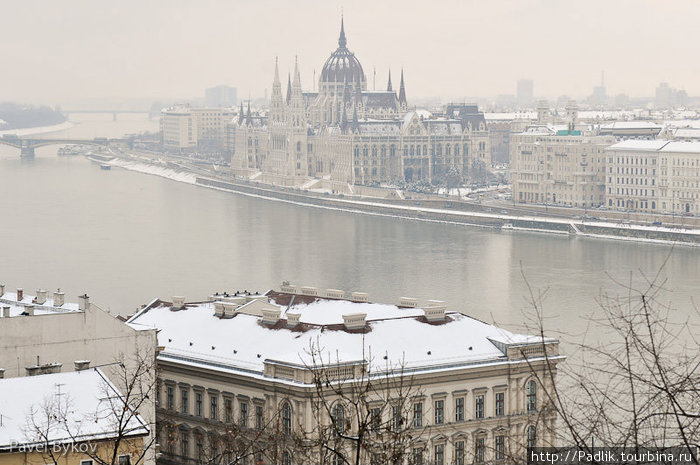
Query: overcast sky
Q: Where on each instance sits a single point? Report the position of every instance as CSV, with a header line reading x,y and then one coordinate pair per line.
x,y
72,50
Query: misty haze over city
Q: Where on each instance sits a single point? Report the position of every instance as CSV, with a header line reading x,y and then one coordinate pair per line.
x,y
63,52
349,233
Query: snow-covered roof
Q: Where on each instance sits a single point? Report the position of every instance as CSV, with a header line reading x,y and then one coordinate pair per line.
x,y
639,145
682,147
87,396
637,124
17,307
245,342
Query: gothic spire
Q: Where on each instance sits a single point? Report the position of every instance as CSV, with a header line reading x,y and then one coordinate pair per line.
x,y
297,77
277,74
341,40
248,116
289,87
388,86
402,91
240,115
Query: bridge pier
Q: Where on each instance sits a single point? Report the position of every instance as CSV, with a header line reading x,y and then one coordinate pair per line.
x,y
27,152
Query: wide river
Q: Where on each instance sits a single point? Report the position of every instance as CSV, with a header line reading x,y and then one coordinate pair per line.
x,y
126,238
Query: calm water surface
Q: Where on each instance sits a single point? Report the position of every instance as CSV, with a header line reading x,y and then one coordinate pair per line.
x,y
126,238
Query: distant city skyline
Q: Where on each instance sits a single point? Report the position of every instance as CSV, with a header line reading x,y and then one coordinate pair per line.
x,y
81,50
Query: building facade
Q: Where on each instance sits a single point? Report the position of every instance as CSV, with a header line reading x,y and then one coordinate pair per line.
x,y
44,334
185,129
654,176
259,378
346,133
558,166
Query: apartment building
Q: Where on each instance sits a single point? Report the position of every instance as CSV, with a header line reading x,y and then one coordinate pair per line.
x,y
44,334
259,377
654,176
185,128
557,166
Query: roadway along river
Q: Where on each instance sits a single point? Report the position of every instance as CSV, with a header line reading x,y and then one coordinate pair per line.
x,y
125,238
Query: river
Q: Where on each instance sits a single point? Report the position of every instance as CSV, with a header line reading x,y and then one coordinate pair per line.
x,y
126,238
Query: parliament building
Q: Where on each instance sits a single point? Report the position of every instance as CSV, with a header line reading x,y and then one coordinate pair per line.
x,y
345,133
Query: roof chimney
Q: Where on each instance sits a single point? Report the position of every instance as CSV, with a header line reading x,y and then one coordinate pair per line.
x,y
288,288
20,294
293,319
308,290
270,315
81,365
83,302
58,298
178,302
354,320
2,373
33,370
6,312
2,290
29,309
41,296
49,368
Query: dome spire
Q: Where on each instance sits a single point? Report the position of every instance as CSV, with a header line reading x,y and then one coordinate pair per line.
x,y
341,40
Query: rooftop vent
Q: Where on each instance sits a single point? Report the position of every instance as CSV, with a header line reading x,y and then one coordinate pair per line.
x,y
83,302
270,315
178,302
293,319
435,312
81,365
307,290
6,312
20,294
354,320
359,297
41,296
29,310
288,288
58,298
408,302
335,293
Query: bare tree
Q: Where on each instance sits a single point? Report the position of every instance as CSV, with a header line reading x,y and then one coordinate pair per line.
x,y
636,382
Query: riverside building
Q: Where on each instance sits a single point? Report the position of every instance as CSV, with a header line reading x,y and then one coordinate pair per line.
x,y
186,129
260,377
654,176
345,133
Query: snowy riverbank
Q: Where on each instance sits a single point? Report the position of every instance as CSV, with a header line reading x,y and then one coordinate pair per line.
x,y
37,130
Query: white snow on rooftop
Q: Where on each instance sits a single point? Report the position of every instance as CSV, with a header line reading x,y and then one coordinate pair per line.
x,y
85,392
17,307
244,342
639,145
682,147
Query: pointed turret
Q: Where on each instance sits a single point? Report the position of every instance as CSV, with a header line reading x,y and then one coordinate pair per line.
x,y
289,88
248,116
388,86
276,100
277,74
341,40
240,114
354,117
402,91
296,84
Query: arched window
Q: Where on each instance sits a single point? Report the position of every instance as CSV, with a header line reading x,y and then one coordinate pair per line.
x,y
298,146
531,436
339,418
456,149
374,150
392,150
286,458
383,150
413,150
357,151
447,150
286,419
439,149
418,150
531,394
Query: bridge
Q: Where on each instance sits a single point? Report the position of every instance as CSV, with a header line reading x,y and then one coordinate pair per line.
x,y
27,145
114,113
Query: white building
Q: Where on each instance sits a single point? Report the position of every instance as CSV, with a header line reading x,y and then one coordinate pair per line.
x,y
654,176
42,334
552,165
249,360
185,128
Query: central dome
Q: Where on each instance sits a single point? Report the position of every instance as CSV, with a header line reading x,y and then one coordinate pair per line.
x,y
342,65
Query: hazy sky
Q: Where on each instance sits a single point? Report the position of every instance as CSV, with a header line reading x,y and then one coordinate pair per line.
x,y
70,50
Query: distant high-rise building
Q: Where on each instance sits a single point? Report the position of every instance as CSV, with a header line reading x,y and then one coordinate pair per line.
x,y
668,97
600,94
525,95
220,96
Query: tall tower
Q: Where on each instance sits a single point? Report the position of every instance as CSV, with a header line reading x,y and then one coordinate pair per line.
x,y
402,93
276,99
